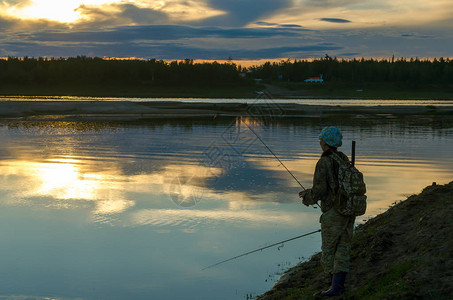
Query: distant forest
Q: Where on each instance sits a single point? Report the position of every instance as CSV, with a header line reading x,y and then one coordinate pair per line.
x,y
87,70
97,71
407,72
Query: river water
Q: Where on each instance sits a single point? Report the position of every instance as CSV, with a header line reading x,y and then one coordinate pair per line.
x,y
136,210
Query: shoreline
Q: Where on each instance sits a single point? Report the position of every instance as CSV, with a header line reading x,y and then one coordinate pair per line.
x,y
404,253
257,96
138,110
272,90
270,94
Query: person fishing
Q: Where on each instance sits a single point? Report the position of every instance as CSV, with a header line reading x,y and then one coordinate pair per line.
x,y
336,228
341,189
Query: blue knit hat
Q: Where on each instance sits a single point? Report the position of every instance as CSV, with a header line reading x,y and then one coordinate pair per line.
x,y
331,136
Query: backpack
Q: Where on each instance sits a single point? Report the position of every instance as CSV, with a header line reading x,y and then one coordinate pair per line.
x,y
350,199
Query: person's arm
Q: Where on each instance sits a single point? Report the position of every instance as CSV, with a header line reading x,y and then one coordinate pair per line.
x,y
320,184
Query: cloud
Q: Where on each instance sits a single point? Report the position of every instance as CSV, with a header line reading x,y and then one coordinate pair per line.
x,y
351,4
17,3
159,33
334,20
243,12
278,25
145,13
365,14
349,54
5,23
416,36
118,14
244,218
179,42
111,12
181,11
166,42
162,50
217,29
12,28
266,24
291,26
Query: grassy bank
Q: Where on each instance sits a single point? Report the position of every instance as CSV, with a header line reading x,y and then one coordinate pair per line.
x,y
404,253
347,90
133,91
278,90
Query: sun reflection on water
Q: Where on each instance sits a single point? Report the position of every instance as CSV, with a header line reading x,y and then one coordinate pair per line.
x,y
114,184
64,179
108,197
68,181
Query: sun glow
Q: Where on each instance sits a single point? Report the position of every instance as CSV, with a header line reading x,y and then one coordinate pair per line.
x,y
69,11
60,11
63,180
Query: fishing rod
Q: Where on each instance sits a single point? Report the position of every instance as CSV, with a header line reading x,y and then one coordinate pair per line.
x,y
256,250
270,150
273,154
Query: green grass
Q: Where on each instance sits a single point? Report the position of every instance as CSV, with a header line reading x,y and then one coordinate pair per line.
x,y
246,90
370,90
390,283
295,294
226,91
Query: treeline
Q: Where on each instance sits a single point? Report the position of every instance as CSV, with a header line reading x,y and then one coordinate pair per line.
x,y
411,72
85,70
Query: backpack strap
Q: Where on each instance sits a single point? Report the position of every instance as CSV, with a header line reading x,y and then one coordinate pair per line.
x,y
338,159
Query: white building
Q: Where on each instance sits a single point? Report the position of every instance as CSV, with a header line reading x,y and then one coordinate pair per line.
x,y
315,79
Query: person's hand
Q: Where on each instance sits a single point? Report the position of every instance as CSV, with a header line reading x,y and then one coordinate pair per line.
x,y
302,195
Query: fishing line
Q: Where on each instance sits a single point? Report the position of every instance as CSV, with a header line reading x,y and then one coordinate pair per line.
x,y
270,150
273,153
256,250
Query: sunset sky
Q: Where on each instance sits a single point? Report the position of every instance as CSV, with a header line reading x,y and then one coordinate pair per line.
x,y
220,29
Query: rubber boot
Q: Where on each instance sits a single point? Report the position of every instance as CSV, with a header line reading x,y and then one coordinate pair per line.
x,y
337,287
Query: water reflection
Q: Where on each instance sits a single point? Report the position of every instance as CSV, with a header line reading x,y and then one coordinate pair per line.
x,y
109,164
143,196
259,218
63,179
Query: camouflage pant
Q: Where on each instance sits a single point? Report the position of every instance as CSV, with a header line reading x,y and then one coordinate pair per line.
x,y
336,232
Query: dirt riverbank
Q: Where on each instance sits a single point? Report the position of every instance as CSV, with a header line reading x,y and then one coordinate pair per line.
x,y
404,253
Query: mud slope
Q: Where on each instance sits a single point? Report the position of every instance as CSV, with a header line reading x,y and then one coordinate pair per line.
x,y
404,253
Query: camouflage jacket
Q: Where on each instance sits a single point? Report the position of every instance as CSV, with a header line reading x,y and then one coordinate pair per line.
x,y
325,181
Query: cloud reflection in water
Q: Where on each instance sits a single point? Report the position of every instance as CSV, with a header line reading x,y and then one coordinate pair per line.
x,y
137,175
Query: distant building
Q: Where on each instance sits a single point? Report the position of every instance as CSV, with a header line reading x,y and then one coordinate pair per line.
x,y
315,79
247,74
